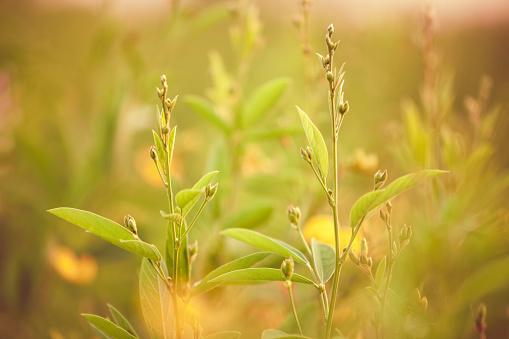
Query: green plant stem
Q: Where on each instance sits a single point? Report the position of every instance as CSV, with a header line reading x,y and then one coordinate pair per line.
x,y
389,277
326,190
288,285
194,220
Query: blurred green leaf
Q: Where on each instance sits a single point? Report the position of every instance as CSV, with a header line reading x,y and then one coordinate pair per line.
x,y
380,271
121,320
107,327
156,302
159,148
250,217
258,274
276,334
269,133
249,260
171,144
324,257
262,100
266,243
187,198
224,335
107,230
371,202
316,142
206,110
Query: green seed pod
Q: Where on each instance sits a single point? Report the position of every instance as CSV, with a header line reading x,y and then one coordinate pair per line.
x,y
287,267
294,215
353,256
130,224
153,153
364,247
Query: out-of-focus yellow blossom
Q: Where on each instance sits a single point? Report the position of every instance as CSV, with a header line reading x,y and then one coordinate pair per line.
x,y
362,162
78,270
148,171
321,227
255,161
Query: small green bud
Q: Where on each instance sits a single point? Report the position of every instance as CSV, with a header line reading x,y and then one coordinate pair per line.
x,y
384,216
163,79
380,178
294,215
343,108
130,224
287,267
326,61
480,318
363,260
353,256
330,76
370,262
305,155
330,29
192,251
210,191
160,92
153,153
364,247
165,130
404,235
321,288
388,205
168,102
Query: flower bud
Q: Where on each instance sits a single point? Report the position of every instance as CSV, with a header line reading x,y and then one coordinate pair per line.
x,y
404,235
130,224
330,29
380,178
480,318
294,215
192,251
287,267
306,155
330,76
353,256
363,260
384,216
364,247
370,262
153,153
165,130
210,191
343,108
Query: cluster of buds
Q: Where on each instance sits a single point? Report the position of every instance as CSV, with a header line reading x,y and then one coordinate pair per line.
x,y
287,267
210,191
380,179
130,224
386,215
404,235
294,216
363,261
306,154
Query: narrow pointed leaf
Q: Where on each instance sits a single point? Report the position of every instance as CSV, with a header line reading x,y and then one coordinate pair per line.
x,y
121,321
107,327
324,257
266,243
224,335
372,290
107,230
205,180
245,262
258,274
316,142
173,217
159,148
156,303
171,144
206,110
380,271
371,202
262,100
187,198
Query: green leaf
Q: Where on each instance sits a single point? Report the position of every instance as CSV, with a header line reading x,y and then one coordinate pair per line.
x,y
171,143
276,334
122,321
249,260
324,257
205,108
107,327
107,230
224,335
173,217
266,243
159,148
316,142
372,290
262,100
258,274
205,180
250,217
380,271
156,303
372,202
187,198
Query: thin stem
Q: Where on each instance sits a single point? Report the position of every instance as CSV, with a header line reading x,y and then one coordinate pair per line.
x,y
194,219
389,277
158,271
320,179
288,285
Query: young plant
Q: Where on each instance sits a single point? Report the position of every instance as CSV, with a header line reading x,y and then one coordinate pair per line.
x,y
323,261
165,280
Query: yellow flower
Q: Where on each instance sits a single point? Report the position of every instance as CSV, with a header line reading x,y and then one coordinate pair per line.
x,y
321,227
77,270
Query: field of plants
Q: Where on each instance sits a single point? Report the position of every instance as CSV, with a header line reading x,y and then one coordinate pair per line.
x,y
249,169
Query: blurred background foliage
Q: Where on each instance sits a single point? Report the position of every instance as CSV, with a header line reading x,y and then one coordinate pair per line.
x,y
77,102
